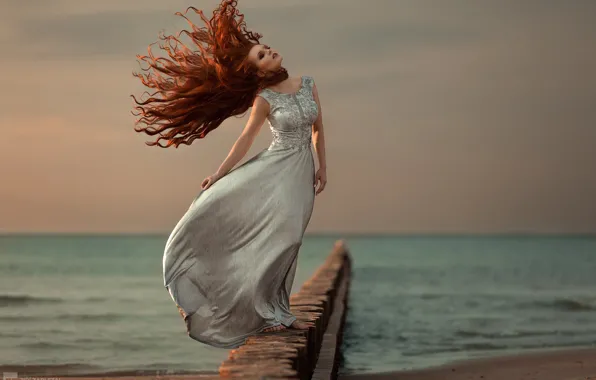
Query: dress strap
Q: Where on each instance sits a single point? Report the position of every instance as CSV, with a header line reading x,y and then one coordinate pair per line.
x,y
308,82
267,95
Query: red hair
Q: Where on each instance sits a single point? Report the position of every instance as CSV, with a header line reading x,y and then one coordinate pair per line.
x,y
205,86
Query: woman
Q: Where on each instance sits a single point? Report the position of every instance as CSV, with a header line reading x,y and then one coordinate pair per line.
x,y
229,263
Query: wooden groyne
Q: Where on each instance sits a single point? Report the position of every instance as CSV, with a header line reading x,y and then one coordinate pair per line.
x,y
293,354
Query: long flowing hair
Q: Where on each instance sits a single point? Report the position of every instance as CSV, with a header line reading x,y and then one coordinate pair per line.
x,y
204,87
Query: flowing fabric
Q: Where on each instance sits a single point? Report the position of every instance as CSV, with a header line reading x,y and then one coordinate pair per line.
x,y
229,263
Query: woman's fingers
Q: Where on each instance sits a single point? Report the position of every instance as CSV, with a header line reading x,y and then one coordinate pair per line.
x,y
321,186
206,183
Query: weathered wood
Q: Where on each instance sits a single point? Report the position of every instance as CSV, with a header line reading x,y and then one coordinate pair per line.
x,y
292,354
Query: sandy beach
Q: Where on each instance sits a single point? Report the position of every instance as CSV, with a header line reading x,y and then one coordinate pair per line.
x,y
560,365
573,364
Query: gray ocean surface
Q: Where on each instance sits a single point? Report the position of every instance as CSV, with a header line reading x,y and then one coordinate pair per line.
x,y
97,303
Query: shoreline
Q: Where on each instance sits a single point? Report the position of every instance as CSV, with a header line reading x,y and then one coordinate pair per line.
x,y
551,364
71,371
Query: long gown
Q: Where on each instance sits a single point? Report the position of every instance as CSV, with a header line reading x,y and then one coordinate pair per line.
x,y
229,263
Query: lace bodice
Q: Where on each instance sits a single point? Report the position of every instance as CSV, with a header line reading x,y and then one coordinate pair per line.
x,y
291,116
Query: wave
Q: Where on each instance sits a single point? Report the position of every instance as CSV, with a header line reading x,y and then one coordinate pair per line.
x,y
500,335
7,300
487,346
49,369
91,317
68,317
95,299
76,344
49,345
568,304
456,348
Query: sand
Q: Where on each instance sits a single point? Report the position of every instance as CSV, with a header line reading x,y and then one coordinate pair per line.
x,y
560,365
574,364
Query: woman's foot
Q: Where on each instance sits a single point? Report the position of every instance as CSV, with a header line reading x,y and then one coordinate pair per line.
x,y
275,328
299,325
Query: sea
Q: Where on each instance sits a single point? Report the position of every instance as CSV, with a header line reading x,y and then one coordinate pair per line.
x,y
97,304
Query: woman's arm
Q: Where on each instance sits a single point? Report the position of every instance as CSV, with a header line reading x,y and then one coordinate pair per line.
x,y
318,138
258,114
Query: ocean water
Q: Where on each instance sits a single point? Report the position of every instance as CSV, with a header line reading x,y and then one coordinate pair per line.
x,y
417,302
97,303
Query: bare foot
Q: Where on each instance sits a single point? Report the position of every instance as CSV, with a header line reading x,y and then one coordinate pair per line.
x,y
299,325
275,328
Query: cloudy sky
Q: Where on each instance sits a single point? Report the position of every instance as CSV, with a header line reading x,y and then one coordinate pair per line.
x,y
440,116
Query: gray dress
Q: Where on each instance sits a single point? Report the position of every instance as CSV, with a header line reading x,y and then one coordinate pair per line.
x,y
229,263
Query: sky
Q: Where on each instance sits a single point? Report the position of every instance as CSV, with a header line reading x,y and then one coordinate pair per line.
x,y
440,116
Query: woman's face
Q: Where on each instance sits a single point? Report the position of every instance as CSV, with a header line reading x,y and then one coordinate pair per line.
x,y
264,58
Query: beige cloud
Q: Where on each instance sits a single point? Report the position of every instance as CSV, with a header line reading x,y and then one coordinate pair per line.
x,y
440,117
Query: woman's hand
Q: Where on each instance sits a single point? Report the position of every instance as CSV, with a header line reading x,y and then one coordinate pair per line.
x,y
207,182
321,178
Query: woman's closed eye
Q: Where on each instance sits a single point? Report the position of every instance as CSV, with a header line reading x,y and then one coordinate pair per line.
x,y
261,54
